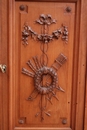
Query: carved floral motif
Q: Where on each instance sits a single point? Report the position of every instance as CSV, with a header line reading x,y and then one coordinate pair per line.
x,y
44,20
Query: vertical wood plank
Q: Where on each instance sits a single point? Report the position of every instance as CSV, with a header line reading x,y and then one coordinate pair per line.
x,y
3,60
0,74
11,27
85,116
81,66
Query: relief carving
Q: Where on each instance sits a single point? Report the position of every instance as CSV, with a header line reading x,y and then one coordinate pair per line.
x,y
47,88
45,21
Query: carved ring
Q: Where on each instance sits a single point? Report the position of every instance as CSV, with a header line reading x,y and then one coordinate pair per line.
x,y
38,78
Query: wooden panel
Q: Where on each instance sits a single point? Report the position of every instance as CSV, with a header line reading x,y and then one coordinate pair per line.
x,y
23,54
18,59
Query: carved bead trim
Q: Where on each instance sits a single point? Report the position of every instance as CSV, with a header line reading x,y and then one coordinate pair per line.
x,y
64,121
22,7
68,9
22,120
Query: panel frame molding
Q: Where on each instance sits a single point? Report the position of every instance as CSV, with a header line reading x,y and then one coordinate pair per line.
x,y
48,0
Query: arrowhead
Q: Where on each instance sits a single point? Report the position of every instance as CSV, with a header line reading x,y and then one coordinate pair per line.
x,y
60,89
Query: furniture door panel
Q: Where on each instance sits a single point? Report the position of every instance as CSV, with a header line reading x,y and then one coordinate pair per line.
x,y
28,112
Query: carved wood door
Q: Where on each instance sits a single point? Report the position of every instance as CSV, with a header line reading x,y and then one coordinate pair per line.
x,y
44,65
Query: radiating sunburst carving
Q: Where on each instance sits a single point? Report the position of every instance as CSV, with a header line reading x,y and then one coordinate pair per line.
x,y
45,82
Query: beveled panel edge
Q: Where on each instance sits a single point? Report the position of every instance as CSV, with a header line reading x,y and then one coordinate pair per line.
x,y
47,1
40,128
